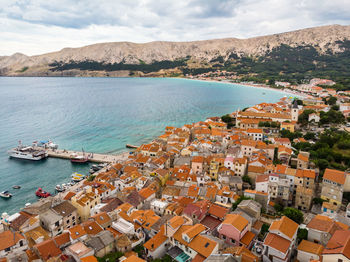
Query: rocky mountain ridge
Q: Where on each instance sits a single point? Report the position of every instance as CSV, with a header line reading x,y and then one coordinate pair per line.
x,y
324,39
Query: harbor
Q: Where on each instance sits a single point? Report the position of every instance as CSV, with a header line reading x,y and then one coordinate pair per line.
x,y
92,157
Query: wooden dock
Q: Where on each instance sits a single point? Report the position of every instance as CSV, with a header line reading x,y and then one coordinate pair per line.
x,y
93,157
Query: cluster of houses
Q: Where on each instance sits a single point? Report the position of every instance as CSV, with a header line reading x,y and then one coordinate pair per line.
x,y
201,192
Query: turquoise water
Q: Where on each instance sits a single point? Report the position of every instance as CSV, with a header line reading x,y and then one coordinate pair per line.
x,y
100,115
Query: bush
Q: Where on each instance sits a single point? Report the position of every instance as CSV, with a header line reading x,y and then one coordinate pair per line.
x,y
227,118
278,207
246,179
111,257
302,234
318,201
294,214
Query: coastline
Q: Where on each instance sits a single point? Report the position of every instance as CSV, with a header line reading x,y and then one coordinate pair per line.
x,y
124,151
249,85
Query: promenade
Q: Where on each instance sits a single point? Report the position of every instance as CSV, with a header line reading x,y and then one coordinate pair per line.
x,y
93,157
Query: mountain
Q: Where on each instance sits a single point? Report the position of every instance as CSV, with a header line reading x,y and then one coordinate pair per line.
x,y
301,51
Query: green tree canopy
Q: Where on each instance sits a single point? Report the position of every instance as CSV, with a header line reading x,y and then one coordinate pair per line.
x,y
294,214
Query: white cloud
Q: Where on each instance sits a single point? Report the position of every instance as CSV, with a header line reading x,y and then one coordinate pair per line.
x,y
39,26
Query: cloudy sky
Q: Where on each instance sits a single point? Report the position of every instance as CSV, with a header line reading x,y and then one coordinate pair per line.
x,y
40,26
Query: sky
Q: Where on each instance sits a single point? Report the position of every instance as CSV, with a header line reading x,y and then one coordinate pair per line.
x,y
40,26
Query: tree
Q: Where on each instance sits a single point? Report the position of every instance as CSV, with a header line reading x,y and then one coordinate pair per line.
x,y
299,102
318,201
227,118
303,118
331,101
246,179
278,207
309,136
302,234
294,214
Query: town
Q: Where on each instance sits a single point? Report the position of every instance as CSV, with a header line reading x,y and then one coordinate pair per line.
x,y
265,183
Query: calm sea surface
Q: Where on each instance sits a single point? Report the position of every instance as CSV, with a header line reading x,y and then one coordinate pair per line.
x,y
99,115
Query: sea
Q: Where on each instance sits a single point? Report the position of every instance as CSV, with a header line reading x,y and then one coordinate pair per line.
x,y
99,115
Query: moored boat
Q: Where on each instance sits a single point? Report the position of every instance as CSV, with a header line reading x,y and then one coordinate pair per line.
x,y
75,158
16,187
61,188
5,194
27,152
76,177
41,193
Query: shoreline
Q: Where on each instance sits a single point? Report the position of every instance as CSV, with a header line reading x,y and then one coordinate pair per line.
x,y
248,85
125,152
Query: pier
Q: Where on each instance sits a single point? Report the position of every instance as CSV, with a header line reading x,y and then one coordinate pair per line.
x,y
93,157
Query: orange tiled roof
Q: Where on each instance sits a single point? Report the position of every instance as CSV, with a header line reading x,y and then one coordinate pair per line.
x,y
339,244
247,238
156,240
285,225
310,247
237,221
48,249
76,232
277,242
9,239
334,175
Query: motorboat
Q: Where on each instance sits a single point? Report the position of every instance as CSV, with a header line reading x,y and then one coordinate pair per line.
x,y
16,187
41,193
5,194
61,188
76,177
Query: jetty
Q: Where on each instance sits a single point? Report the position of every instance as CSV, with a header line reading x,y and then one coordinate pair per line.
x,y
93,157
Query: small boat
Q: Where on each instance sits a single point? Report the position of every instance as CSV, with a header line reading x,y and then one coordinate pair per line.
x,y
41,193
131,146
76,177
75,158
16,187
61,188
95,167
5,194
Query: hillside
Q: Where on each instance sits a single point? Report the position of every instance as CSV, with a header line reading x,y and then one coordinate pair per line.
x,y
320,51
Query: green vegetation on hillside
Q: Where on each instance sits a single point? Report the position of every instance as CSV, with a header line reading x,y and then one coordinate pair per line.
x,y
332,150
100,66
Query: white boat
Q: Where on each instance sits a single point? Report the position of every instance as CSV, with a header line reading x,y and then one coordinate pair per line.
x,y
45,144
27,152
61,188
76,177
5,194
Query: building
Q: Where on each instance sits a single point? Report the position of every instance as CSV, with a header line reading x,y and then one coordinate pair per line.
x,y
52,222
295,111
233,228
309,251
85,201
255,134
12,243
68,212
332,187
338,247
280,241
